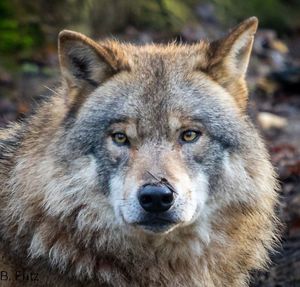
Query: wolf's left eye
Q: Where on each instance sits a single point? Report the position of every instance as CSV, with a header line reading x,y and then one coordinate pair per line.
x,y
189,136
120,138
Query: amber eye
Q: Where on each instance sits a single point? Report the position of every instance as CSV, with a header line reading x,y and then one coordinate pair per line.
x,y
189,136
120,138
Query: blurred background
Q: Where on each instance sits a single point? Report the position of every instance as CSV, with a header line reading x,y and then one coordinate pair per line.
x,y
29,71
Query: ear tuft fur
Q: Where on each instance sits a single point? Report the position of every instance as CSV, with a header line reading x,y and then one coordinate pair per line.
x,y
235,48
86,63
228,59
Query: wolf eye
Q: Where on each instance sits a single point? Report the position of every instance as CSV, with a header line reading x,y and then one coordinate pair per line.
x,y
189,136
120,138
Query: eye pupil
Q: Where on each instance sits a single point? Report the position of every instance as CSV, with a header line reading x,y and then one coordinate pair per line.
x,y
189,135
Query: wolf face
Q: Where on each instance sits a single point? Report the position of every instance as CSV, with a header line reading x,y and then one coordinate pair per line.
x,y
164,138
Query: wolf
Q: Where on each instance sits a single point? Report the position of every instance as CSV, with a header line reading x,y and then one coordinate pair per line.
x,y
142,169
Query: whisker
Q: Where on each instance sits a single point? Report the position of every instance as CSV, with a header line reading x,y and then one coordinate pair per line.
x,y
51,90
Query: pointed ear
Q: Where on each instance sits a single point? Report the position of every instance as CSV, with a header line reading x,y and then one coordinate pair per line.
x,y
85,64
228,59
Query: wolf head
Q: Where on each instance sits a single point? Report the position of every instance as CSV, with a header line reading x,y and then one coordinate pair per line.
x,y
143,148
160,125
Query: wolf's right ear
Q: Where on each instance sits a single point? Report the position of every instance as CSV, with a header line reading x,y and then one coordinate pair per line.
x,y
85,64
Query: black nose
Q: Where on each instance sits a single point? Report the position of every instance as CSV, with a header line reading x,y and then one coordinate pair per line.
x,y
155,198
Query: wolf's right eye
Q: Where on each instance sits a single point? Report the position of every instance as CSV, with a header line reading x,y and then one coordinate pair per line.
x,y
120,139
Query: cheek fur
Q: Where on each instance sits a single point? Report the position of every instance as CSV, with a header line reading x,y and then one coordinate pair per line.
x,y
123,198
193,193
116,187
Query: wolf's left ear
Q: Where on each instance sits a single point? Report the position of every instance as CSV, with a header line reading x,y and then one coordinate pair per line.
x,y
85,64
228,59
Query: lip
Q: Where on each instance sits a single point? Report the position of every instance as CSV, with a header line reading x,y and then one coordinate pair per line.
x,y
156,224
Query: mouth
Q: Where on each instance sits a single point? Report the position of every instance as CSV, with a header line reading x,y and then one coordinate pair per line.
x,y
156,224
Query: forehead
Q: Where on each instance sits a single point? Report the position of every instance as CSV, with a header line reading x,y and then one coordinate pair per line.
x,y
161,83
163,88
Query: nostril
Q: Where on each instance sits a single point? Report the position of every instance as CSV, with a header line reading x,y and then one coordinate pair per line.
x,y
167,198
146,199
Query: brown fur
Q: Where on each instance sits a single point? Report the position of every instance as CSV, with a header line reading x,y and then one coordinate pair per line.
x,y
69,238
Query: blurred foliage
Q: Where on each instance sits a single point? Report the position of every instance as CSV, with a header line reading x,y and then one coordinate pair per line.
x,y
27,25
161,14
280,15
15,34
